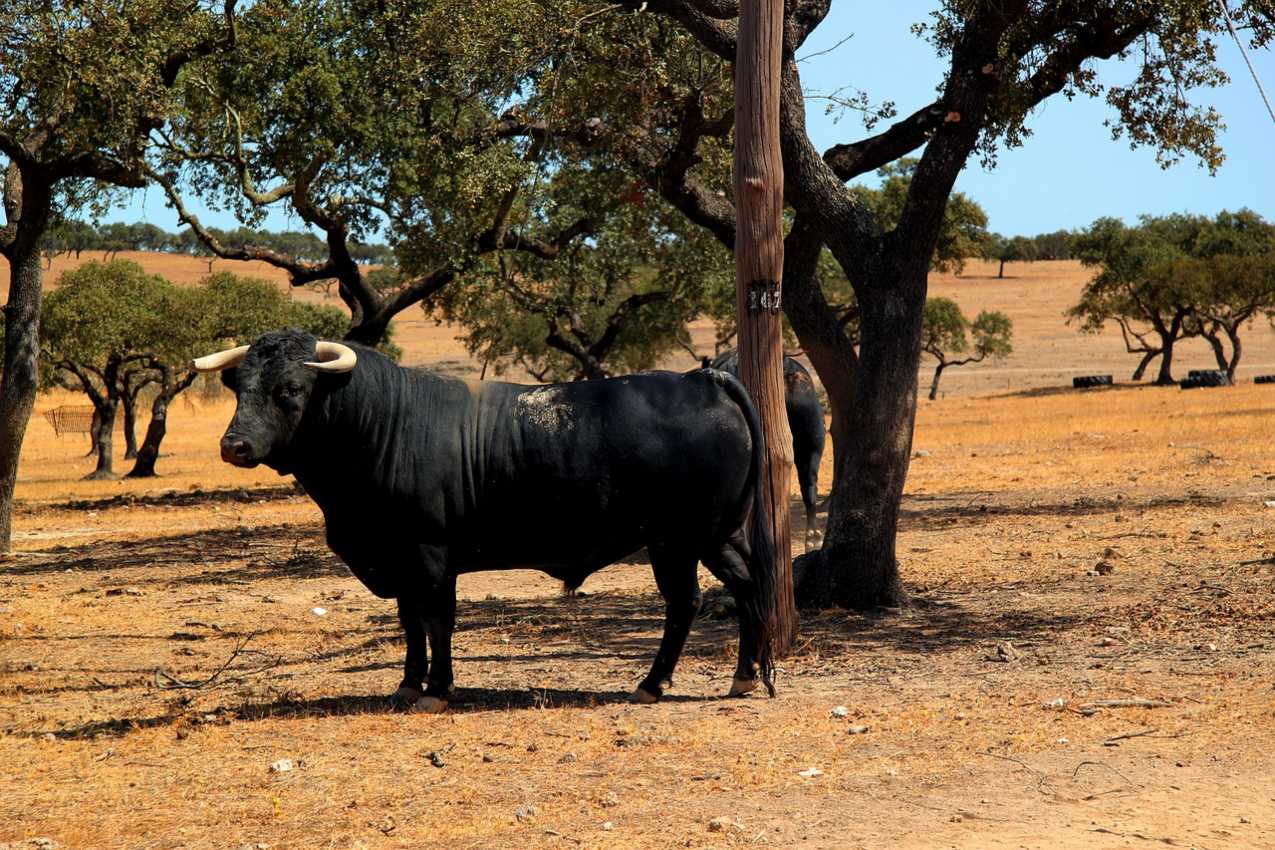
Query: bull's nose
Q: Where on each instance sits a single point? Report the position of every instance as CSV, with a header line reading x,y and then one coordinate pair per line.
x,y
235,450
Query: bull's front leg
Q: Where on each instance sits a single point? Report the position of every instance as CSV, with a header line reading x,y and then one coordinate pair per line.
x,y
427,611
410,617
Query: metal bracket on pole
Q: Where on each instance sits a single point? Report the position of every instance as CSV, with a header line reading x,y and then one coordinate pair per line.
x,y
763,296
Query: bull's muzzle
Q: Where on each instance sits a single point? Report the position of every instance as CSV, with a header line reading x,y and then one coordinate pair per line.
x,y
236,451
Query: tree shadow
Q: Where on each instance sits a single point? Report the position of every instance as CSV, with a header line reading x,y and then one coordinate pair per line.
x,y
285,550
169,498
971,511
1044,392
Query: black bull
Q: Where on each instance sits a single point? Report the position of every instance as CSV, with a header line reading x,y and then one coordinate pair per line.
x,y
421,478
805,421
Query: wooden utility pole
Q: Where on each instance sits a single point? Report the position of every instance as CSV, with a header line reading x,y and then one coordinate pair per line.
x,y
759,263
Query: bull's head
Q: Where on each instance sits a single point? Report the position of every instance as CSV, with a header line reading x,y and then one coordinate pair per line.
x,y
273,380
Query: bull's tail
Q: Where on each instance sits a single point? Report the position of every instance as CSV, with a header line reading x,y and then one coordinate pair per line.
x,y
760,607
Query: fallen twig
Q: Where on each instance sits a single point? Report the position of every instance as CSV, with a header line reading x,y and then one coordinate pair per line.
x,y
1075,772
1127,735
1040,778
1132,702
168,682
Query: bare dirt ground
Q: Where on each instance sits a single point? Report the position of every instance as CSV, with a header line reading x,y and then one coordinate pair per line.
x,y
160,649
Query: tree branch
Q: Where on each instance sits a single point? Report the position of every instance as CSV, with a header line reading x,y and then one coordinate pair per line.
x,y
618,318
903,137
299,272
716,35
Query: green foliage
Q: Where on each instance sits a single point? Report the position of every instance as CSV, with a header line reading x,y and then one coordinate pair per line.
x,y
236,310
946,332
945,327
993,334
1054,246
100,311
1015,249
86,80
1158,107
964,229
328,322
1174,277
613,305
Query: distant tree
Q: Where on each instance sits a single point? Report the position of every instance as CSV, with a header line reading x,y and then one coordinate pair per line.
x,y
95,325
1175,277
69,236
1133,290
1233,290
946,334
1054,246
1231,268
964,228
1014,249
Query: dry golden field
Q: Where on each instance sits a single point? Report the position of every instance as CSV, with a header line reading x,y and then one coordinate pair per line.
x,y
983,701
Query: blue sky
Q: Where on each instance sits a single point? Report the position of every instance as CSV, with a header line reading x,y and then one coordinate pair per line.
x,y
1068,173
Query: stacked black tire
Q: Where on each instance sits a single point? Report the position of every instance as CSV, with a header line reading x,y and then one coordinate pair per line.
x,y
1203,378
1088,382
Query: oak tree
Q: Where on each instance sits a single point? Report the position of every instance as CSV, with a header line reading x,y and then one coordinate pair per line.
x,y
82,85
946,336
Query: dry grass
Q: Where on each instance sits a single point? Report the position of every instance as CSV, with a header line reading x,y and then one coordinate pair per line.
x,y
1020,496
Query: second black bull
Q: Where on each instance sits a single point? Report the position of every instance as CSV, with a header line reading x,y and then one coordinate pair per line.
x,y
805,421
422,478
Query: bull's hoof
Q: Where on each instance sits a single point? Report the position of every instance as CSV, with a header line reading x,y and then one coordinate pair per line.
x,y
741,687
429,705
404,698
643,697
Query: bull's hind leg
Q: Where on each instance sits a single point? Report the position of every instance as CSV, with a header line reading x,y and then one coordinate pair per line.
x,y
730,566
675,575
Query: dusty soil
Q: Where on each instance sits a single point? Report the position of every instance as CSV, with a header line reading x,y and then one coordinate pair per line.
x,y
160,649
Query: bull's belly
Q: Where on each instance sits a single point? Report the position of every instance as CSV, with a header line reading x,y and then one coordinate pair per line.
x,y
555,554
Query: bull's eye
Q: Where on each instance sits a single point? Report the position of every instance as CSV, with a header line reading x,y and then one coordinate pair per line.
x,y
288,391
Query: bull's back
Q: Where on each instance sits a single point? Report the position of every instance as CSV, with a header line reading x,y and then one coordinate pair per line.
x,y
578,475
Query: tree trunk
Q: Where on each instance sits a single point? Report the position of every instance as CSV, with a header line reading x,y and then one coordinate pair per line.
x,y
1001,273
1143,364
1236,349
1219,353
856,568
19,379
155,431
105,440
129,402
158,427
759,258
934,384
1165,378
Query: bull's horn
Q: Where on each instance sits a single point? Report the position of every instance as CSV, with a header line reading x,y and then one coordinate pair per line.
x,y
221,360
333,357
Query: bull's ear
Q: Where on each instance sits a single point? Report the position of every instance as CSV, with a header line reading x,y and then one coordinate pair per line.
x,y
230,378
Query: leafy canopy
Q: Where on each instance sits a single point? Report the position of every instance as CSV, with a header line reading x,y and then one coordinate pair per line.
x,y
962,233
947,332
